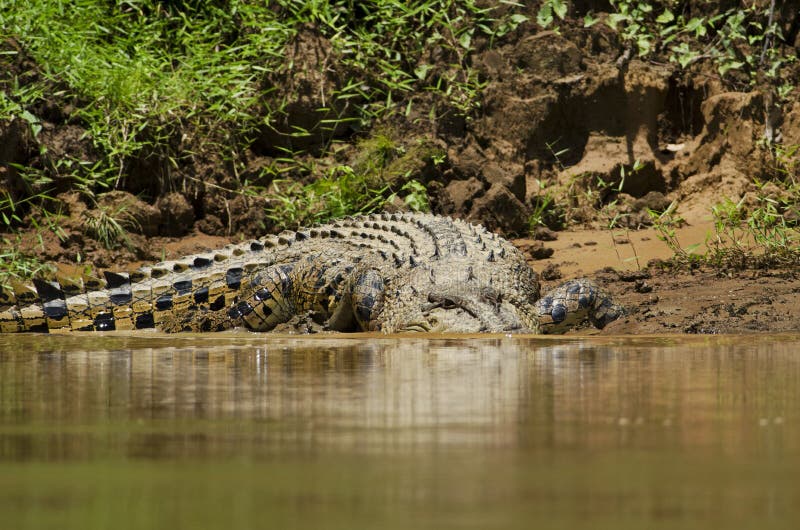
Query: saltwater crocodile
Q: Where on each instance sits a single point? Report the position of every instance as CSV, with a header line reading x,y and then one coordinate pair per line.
x,y
382,272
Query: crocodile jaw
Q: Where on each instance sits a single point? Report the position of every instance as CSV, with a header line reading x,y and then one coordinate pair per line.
x,y
458,320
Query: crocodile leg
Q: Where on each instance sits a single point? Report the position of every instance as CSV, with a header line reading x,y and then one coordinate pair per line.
x,y
573,302
367,299
269,300
347,300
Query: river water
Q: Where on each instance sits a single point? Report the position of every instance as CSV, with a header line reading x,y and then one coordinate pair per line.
x,y
252,431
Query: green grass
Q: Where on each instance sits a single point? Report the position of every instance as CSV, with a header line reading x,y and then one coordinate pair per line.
x,y
340,192
109,225
15,266
143,74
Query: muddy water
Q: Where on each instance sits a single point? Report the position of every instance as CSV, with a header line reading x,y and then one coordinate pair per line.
x,y
243,431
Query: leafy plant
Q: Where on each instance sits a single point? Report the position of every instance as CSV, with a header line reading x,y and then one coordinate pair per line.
x,y
758,236
339,193
666,224
630,20
549,11
726,38
416,196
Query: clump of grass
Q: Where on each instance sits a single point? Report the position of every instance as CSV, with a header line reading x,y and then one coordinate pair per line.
x,y
109,225
384,170
546,212
757,237
16,266
384,158
144,71
761,230
340,192
666,224
763,234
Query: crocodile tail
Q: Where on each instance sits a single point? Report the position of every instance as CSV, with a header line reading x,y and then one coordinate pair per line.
x,y
53,305
11,321
196,319
114,305
49,306
20,309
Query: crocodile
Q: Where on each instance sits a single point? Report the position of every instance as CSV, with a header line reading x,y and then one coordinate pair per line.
x,y
391,273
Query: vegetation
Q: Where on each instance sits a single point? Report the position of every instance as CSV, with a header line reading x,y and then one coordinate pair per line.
x,y
724,38
109,225
380,175
145,73
17,266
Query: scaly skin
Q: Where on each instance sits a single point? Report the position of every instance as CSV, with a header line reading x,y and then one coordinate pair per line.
x,y
388,272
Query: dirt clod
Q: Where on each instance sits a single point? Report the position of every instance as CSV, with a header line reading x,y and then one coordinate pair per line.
x,y
542,233
535,249
551,273
177,215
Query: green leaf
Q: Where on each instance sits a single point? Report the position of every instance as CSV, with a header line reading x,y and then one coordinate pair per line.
x,y
643,43
545,16
686,59
36,125
518,19
683,54
559,8
615,18
422,70
665,17
589,21
729,65
691,248
696,25
669,30
465,40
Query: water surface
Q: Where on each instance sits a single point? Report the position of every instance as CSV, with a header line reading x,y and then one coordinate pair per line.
x,y
254,431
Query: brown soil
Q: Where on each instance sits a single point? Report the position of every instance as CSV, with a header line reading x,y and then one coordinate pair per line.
x,y
693,138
